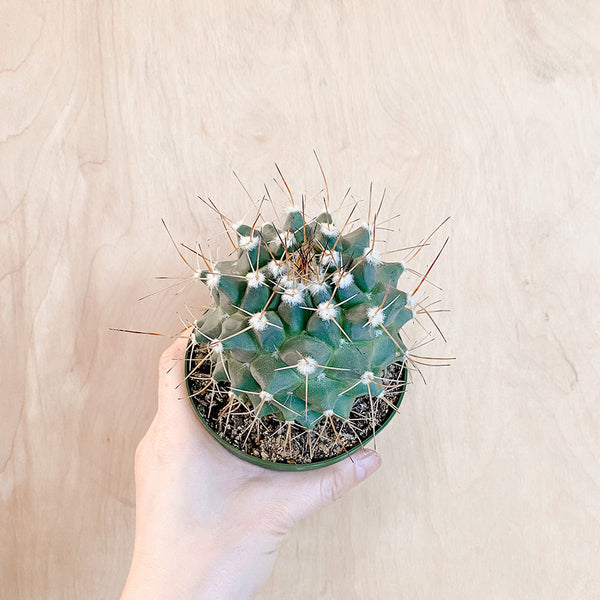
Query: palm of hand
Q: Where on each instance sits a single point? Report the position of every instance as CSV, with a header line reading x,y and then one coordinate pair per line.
x,y
201,511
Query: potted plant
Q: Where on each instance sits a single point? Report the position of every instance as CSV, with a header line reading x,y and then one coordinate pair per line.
x,y
299,361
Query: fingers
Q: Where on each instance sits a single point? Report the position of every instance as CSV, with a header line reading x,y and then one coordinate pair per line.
x,y
315,489
171,371
176,433
175,416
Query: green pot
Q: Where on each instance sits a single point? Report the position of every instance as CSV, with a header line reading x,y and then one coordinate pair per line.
x,y
267,464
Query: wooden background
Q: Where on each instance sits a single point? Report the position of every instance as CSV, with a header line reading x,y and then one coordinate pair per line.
x,y
114,115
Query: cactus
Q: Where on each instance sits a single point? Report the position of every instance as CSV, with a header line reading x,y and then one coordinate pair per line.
x,y
306,318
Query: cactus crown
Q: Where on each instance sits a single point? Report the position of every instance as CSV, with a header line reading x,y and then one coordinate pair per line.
x,y
305,319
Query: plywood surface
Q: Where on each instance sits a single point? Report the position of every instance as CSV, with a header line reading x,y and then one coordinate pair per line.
x,y
114,115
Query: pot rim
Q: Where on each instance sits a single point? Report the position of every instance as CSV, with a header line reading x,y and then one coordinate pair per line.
x,y
277,466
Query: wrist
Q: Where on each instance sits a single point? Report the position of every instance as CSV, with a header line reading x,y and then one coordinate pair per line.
x,y
225,568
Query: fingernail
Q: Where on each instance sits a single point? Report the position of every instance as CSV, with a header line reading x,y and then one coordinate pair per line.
x,y
366,463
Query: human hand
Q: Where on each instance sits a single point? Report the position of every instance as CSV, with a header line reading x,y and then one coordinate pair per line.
x,y
209,525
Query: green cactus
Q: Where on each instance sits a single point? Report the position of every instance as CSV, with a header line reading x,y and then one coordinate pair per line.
x,y
305,319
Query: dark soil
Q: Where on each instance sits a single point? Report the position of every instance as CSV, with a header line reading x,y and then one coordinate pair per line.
x,y
272,440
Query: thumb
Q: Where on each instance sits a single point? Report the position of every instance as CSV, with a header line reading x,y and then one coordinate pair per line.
x,y
316,489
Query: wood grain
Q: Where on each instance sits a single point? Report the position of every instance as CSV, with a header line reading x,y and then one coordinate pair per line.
x,y
114,115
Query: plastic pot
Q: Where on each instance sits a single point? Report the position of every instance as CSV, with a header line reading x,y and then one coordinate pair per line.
x,y
278,466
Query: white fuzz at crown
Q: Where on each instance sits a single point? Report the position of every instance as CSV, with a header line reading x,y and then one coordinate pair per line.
x,y
307,365
288,238
318,286
212,280
329,230
367,377
411,302
330,257
372,256
258,321
276,268
248,243
343,281
368,227
294,294
216,346
376,316
255,278
327,311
